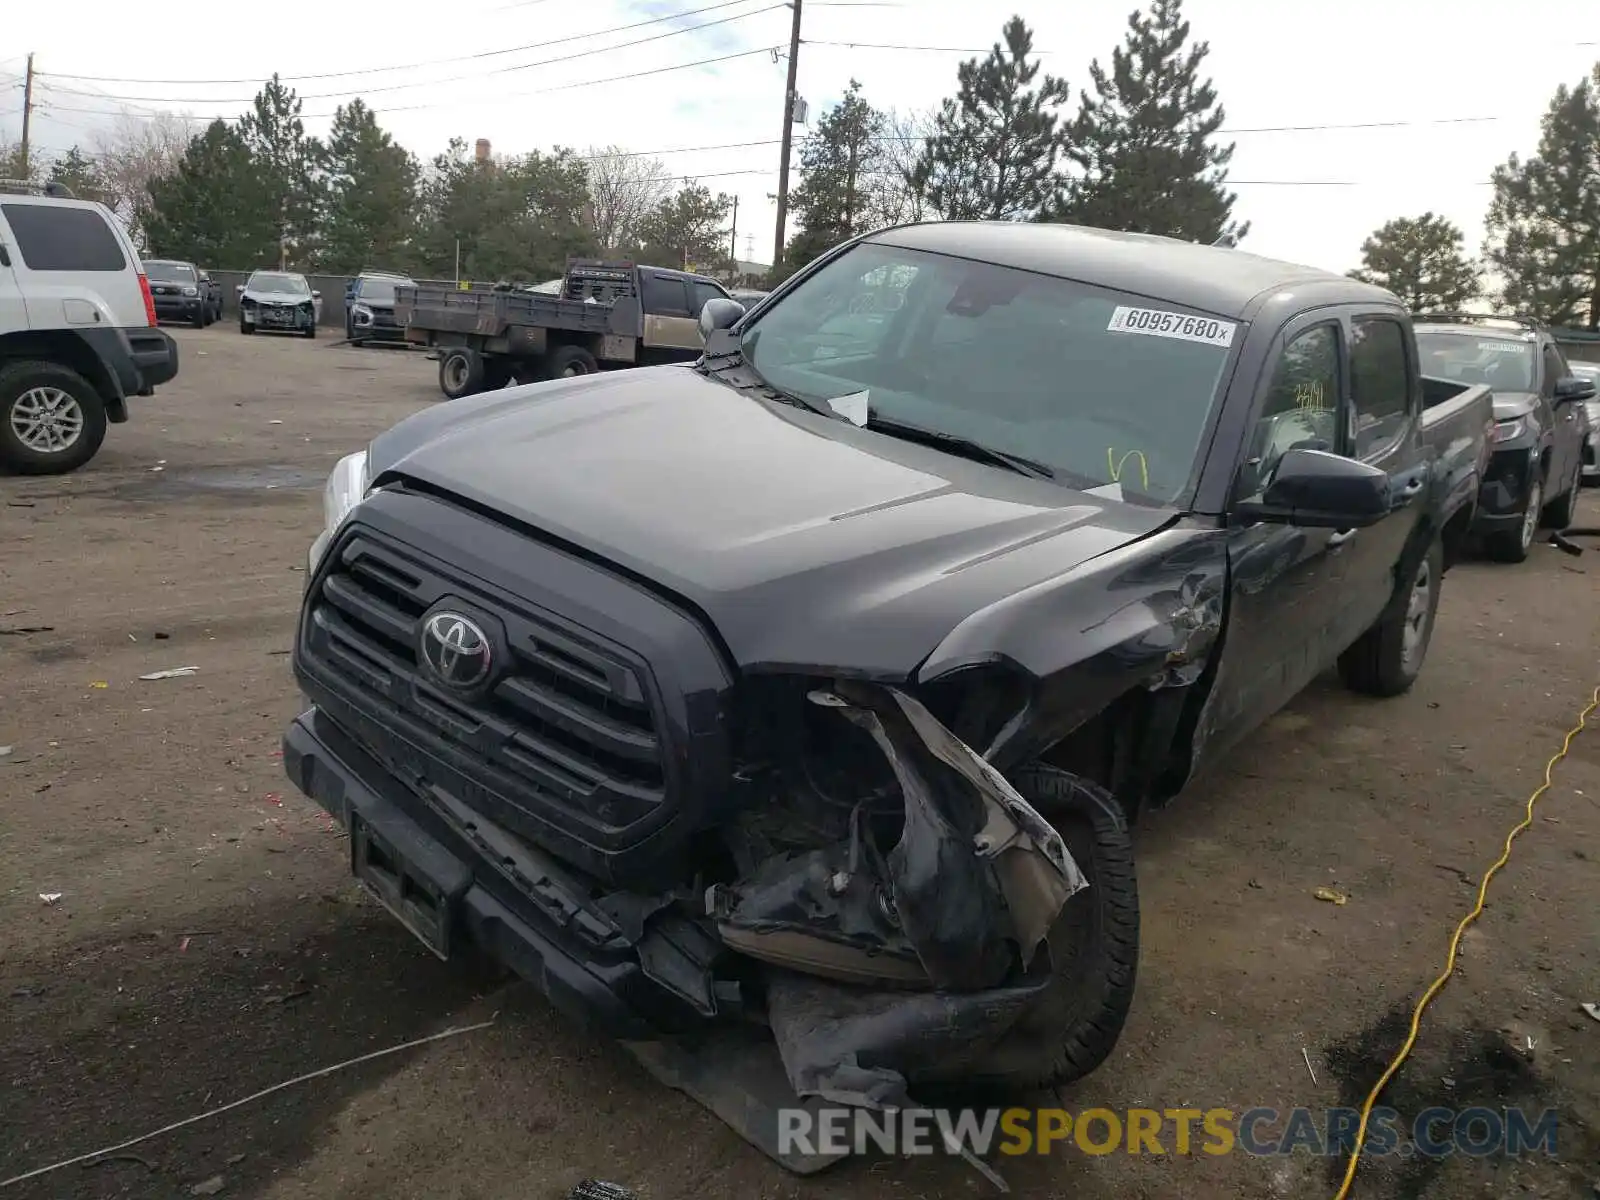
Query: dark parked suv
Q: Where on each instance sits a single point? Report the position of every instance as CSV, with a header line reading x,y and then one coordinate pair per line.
x,y
369,308
183,292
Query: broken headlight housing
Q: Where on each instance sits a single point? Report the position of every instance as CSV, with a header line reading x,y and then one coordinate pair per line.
x,y
346,487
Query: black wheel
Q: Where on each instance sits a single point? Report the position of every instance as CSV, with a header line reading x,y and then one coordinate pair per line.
x,y
51,419
460,372
1563,511
245,326
1094,952
199,320
1512,545
310,330
566,361
1387,658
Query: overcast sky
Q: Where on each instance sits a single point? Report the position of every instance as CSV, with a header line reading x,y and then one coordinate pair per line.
x,y
1465,83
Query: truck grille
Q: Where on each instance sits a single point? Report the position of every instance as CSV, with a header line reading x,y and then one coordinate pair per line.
x,y
568,730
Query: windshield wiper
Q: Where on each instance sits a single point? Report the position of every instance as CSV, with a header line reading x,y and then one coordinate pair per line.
x,y
964,447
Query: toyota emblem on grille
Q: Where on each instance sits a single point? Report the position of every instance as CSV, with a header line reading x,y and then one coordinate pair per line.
x,y
456,650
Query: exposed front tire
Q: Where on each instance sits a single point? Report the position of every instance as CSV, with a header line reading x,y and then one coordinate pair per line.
x,y
199,318
1387,658
1512,545
245,326
310,330
566,361
1094,950
52,420
1563,511
460,372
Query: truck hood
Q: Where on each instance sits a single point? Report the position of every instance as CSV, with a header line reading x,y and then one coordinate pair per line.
x,y
806,541
1510,405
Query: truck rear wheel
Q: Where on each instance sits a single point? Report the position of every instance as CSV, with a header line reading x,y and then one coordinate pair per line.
x,y
460,372
1094,951
1387,658
51,419
566,361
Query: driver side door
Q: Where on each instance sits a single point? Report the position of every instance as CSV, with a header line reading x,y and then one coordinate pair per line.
x,y
1285,606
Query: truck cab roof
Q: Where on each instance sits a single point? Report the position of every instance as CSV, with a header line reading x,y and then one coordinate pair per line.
x,y
1214,279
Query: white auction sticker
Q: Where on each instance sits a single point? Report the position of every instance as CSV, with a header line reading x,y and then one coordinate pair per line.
x,y
1505,347
1153,322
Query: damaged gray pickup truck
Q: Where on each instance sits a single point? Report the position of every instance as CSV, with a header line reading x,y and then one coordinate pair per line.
x,y
799,702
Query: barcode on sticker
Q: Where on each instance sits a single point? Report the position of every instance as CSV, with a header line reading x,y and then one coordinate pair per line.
x,y
1505,347
1155,322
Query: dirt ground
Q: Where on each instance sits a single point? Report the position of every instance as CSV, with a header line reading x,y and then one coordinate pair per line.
x,y
208,942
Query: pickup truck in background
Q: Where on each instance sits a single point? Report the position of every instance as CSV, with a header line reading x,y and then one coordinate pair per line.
x,y
819,685
606,315
1535,476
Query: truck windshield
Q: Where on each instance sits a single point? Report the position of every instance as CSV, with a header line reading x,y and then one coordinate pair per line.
x,y
1097,385
380,291
293,284
166,272
1504,363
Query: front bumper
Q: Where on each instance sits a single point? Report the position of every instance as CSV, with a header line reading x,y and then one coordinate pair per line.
x,y
1503,497
178,306
511,901
271,318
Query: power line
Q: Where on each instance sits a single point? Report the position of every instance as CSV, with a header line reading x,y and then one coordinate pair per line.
x,y
398,87
896,46
582,83
430,62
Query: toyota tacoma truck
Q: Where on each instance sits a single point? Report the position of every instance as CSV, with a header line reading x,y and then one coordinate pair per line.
x,y
815,687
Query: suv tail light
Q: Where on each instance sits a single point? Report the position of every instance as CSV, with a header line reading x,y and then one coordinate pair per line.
x,y
149,300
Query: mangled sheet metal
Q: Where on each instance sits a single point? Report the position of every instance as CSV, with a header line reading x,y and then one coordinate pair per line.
x,y
896,964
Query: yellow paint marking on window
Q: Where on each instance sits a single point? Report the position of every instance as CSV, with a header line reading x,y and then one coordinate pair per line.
x,y
1114,465
1308,396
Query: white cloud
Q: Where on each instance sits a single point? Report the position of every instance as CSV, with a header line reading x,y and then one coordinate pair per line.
x,y
1284,63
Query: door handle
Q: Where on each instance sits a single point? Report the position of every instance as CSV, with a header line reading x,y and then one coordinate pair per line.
x,y
1339,537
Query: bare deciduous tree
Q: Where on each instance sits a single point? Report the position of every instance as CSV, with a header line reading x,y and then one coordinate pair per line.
x,y
136,149
623,189
899,190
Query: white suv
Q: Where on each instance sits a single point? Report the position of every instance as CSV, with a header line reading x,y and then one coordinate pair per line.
x,y
78,330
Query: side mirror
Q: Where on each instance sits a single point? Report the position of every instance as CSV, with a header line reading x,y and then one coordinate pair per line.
x,y
316,295
1574,388
1319,490
719,314
239,288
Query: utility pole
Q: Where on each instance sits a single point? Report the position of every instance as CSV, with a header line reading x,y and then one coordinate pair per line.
x,y
788,128
27,114
733,237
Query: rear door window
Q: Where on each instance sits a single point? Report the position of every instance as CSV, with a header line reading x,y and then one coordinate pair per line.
x,y
55,237
664,296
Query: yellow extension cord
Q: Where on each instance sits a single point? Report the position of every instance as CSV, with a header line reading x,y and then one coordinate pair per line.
x,y
1455,945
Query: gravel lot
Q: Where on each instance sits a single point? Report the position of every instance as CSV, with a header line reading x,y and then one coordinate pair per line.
x,y
208,942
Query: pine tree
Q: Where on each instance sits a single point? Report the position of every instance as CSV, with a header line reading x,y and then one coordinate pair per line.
x,y
995,145
1143,143
842,178
1419,259
687,230
287,163
80,174
371,185
210,210
513,218
1544,220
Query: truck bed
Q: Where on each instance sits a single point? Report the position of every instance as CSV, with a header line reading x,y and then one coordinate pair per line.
x,y
491,313
1458,423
